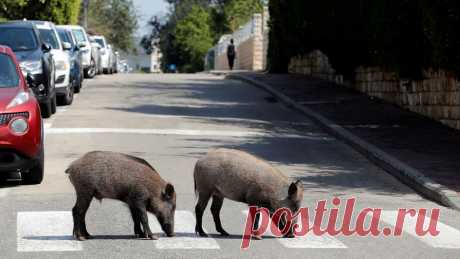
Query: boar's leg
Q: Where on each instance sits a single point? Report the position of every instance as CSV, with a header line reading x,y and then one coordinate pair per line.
x,y
203,199
79,213
216,206
137,223
141,211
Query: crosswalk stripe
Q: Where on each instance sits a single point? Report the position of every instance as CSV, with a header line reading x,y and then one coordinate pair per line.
x,y
448,237
308,241
45,231
184,227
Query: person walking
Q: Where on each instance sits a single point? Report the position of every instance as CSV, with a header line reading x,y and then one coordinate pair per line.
x,y
231,54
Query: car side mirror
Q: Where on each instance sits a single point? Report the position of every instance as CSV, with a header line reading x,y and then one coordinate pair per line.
x,y
30,79
66,46
81,45
46,47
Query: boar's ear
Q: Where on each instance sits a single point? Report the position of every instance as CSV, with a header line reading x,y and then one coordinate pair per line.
x,y
168,193
294,190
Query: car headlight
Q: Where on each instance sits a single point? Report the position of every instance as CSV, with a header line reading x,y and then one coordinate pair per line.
x,y
19,126
62,65
21,98
33,67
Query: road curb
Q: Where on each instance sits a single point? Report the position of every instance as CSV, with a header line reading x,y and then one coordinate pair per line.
x,y
402,171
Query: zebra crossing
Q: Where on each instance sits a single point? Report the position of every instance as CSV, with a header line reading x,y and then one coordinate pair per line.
x,y
47,231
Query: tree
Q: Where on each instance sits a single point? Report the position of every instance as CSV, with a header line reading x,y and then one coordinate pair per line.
x,y
193,26
193,35
115,19
57,11
239,12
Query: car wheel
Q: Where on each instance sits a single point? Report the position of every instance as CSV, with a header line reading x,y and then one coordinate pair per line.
x,y
46,109
91,71
53,104
35,174
67,98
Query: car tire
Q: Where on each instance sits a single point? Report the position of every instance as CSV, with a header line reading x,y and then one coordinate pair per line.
x,y
67,98
90,72
36,173
46,109
77,88
53,104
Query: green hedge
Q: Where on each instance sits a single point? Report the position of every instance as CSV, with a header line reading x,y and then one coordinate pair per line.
x,y
405,36
57,11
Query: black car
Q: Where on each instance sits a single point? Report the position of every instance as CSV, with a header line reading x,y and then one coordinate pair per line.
x,y
36,62
76,66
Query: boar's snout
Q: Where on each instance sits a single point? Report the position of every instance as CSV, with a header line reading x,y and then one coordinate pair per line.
x,y
168,229
166,213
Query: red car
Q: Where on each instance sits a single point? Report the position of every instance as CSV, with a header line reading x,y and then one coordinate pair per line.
x,y
21,126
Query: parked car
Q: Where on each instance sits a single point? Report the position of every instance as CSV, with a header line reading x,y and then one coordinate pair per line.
x,y
88,61
21,126
35,58
106,54
96,49
76,67
64,88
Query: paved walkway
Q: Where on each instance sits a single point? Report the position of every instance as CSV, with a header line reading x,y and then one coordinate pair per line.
x,y
422,143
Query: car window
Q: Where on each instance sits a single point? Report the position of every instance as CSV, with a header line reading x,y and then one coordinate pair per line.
x,y
18,39
63,35
101,42
49,37
79,35
8,74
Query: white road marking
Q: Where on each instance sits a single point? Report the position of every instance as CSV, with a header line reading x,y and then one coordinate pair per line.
x,y
4,192
224,119
183,132
185,234
48,125
308,241
41,231
448,237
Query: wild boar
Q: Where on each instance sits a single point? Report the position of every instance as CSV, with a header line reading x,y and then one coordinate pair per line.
x,y
132,180
239,176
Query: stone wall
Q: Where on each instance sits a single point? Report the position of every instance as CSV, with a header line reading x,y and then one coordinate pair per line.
x,y
314,64
437,96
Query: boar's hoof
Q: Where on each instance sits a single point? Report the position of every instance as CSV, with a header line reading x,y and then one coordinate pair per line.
x,y
257,237
151,236
224,233
202,234
81,237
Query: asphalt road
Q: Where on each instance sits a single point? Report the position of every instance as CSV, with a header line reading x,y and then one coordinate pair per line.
x,y
171,121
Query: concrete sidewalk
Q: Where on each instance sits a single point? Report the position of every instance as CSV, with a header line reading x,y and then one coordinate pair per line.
x,y
419,151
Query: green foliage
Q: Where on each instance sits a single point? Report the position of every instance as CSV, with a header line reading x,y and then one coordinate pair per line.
x,y
193,26
193,35
406,36
115,19
239,12
57,11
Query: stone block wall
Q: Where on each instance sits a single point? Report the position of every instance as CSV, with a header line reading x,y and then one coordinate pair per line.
x,y
437,96
314,64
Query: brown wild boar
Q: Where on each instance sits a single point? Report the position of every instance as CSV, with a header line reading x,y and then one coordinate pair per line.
x,y
126,178
239,176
